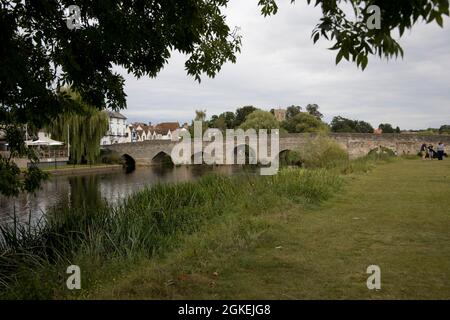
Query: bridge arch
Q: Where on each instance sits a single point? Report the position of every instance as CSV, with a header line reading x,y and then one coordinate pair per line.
x,y
288,157
129,164
162,158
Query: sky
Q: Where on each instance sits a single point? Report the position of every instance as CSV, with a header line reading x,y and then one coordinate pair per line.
x,y
280,66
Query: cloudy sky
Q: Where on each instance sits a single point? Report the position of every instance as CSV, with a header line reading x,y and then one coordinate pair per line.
x,y
279,66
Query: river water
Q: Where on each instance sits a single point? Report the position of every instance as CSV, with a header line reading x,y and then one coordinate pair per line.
x,y
91,190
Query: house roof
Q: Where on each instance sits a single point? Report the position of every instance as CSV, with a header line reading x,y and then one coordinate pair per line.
x,y
117,115
164,127
161,128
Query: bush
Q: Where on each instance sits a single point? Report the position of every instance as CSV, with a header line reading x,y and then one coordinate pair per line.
x,y
324,152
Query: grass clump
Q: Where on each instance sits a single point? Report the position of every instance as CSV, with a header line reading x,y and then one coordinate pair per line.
x,y
324,152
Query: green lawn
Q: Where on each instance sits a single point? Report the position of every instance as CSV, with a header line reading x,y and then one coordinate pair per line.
x,y
396,216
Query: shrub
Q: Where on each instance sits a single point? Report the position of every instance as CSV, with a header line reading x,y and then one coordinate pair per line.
x,y
290,158
324,152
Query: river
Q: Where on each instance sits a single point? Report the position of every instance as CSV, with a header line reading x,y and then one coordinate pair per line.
x,y
90,190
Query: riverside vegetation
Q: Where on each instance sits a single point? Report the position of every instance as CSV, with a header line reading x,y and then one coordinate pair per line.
x,y
109,242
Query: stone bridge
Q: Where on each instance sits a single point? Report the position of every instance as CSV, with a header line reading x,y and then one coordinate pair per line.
x,y
357,145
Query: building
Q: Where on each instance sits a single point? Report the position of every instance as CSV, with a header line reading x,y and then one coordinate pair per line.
x,y
166,131
118,129
378,131
280,114
140,131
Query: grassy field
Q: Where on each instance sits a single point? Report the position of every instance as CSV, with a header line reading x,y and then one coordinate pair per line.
x,y
396,216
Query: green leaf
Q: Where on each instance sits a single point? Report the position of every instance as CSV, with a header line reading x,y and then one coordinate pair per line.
x,y
339,56
364,62
439,20
316,37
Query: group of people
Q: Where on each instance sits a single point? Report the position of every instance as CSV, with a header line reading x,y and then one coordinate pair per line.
x,y
427,151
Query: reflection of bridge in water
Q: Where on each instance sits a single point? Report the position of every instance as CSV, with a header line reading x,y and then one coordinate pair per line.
x,y
357,145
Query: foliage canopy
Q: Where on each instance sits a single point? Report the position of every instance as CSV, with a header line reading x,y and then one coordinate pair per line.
x,y
260,119
82,130
304,122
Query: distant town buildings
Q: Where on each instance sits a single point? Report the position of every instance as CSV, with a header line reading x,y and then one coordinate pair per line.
x,y
122,132
163,131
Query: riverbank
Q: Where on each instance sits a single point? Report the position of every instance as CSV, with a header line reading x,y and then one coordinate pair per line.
x,y
397,217
83,169
150,224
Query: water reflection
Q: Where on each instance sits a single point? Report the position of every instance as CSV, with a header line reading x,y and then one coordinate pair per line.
x,y
94,190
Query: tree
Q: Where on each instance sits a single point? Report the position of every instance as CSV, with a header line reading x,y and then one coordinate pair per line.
x,y
356,39
341,124
313,109
10,182
200,115
292,111
40,54
241,115
260,119
444,129
363,127
386,128
218,122
397,130
229,119
304,122
84,129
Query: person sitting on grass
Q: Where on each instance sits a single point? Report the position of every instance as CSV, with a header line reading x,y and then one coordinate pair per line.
x,y
430,152
440,151
423,151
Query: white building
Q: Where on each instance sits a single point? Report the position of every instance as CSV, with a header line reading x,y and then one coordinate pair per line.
x,y
162,131
118,129
166,131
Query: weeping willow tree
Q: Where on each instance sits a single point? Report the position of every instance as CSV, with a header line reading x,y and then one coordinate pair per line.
x,y
82,129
